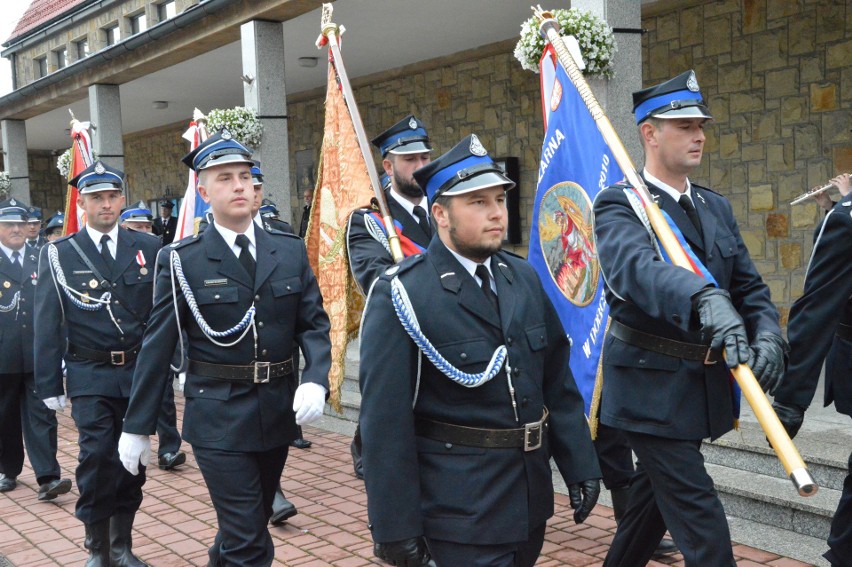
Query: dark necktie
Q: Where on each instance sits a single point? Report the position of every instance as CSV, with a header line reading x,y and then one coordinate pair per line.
x,y
105,251
423,220
17,268
246,258
686,204
482,274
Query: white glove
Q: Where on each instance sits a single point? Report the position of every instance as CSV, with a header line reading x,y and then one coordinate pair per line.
x,y
308,403
134,449
56,403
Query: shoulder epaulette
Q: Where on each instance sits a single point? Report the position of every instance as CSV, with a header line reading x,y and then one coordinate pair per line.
x,y
403,266
277,232
61,239
183,242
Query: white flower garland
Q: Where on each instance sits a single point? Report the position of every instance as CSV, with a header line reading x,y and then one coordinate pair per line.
x,y
63,162
242,122
5,182
597,42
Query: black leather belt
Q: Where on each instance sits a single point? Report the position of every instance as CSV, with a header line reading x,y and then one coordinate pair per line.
x,y
529,437
670,347
114,357
844,332
259,372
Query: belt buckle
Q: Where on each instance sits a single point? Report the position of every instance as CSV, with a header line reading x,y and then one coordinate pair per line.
x,y
261,379
532,436
116,357
708,357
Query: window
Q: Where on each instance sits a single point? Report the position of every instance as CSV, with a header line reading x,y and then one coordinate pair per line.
x,y
138,23
61,58
40,67
112,34
166,10
82,47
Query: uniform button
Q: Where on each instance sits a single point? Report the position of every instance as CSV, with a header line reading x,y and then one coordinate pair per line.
x,y
525,402
115,302
121,339
448,445
541,337
710,256
676,317
509,341
115,285
24,326
263,352
217,296
260,324
463,356
288,288
516,371
641,361
257,298
201,391
118,320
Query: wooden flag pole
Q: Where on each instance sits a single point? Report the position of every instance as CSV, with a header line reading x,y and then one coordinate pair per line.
x,y
775,432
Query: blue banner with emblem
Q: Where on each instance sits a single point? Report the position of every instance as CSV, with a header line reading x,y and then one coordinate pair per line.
x,y
575,165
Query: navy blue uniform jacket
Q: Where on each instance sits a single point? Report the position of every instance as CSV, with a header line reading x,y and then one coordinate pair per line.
x,y
92,329
233,416
418,486
16,326
814,317
368,259
653,393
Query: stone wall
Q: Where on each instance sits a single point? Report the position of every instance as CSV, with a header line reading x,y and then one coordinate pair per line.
x,y
777,76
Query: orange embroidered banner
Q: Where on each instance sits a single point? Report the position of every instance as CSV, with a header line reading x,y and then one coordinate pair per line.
x,y
343,185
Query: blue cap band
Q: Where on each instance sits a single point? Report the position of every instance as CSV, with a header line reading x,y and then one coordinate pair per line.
x,y
441,177
646,108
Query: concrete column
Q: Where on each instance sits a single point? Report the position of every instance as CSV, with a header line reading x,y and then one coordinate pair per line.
x,y
263,89
615,95
14,134
105,112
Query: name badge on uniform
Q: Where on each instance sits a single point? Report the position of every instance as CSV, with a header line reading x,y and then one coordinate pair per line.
x,y
220,281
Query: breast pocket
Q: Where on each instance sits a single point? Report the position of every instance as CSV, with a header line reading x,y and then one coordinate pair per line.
x,y
469,356
135,276
287,293
217,303
727,246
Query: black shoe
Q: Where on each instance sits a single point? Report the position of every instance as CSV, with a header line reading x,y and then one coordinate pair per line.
x,y
666,547
121,542
52,489
300,443
282,509
7,483
169,461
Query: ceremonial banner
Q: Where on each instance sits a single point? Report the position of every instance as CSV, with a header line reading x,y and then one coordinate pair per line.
x,y
81,158
193,207
343,185
576,164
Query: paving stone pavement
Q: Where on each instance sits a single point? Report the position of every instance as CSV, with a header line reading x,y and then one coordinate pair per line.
x,y
177,523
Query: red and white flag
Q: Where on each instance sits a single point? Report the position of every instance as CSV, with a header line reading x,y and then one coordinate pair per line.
x,y
81,158
192,207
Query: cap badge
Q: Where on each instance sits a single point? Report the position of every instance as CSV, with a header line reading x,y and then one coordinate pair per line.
x,y
226,135
13,203
692,82
412,123
476,148
100,169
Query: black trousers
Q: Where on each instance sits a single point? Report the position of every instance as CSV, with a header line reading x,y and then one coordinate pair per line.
x,y
242,487
167,431
840,536
39,426
11,439
517,554
671,488
106,488
614,457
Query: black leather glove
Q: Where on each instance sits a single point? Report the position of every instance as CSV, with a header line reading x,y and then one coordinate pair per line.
x,y
791,417
583,497
721,321
411,552
768,359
